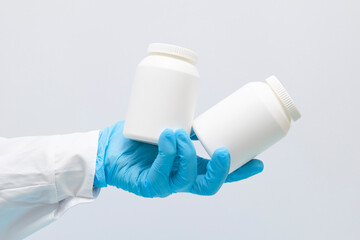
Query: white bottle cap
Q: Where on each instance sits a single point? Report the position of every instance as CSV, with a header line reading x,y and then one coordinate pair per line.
x,y
284,97
177,51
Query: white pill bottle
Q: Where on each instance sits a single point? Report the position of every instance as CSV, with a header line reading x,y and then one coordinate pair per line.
x,y
164,93
248,121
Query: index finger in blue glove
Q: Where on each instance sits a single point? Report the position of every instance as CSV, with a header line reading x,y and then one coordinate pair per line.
x,y
159,172
251,168
217,171
186,172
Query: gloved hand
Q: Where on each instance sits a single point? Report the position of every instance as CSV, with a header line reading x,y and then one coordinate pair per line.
x,y
158,171
145,169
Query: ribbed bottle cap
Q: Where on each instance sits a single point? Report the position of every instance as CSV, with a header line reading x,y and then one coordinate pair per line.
x,y
181,52
284,97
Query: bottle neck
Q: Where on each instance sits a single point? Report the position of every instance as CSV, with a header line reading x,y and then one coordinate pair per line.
x,y
173,51
172,56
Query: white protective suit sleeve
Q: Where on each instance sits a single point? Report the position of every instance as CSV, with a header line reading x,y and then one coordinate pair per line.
x,y
42,177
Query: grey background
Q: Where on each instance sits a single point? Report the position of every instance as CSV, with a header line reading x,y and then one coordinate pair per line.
x,y
67,66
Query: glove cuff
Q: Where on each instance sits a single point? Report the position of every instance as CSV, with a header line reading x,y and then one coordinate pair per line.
x,y
100,177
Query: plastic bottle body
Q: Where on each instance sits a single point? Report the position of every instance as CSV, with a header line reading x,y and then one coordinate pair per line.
x,y
163,95
247,122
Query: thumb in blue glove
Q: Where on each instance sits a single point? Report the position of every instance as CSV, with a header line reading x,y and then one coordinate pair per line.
x,y
214,172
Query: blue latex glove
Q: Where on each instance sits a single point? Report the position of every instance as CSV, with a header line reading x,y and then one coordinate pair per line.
x,y
158,171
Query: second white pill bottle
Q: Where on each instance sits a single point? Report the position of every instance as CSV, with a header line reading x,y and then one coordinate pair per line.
x,y
163,94
248,121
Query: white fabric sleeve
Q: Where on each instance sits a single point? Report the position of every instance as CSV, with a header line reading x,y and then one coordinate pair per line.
x,y
42,177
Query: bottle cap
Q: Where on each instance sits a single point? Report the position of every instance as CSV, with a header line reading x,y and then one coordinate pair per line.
x,y
284,97
174,50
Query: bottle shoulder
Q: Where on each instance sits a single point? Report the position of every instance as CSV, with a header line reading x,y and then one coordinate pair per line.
x,y
171,63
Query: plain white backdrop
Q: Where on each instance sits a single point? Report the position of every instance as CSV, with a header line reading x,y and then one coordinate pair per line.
x,y
67,66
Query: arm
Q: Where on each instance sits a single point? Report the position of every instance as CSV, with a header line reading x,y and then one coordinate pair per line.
x,y
42,177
